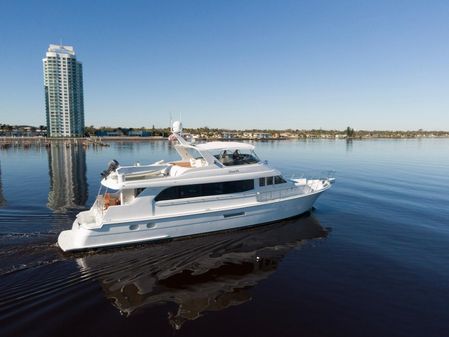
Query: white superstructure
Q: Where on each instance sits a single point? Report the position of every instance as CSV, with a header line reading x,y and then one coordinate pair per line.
x,y
64,101
214,186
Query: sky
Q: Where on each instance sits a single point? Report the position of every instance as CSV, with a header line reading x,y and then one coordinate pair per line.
x,y
378,65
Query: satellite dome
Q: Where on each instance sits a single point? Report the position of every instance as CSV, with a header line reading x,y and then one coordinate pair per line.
x,y
177,127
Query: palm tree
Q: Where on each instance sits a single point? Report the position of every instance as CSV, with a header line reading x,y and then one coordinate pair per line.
x,y
349,132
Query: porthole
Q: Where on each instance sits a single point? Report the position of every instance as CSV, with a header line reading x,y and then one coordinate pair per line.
x,y
134,227
151,225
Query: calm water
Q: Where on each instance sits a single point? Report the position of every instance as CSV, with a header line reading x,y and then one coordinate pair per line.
x,y
370,260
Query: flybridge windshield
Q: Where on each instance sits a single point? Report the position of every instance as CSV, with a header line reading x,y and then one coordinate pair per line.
x,y
188,153
237,157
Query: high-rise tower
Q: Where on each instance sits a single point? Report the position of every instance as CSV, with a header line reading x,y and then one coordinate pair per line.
x,y
64,101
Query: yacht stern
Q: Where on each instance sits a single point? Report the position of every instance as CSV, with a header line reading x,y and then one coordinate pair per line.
x,y
76,238
66,241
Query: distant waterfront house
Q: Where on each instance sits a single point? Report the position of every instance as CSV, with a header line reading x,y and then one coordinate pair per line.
x,y
104,133
22,132
139,133
230,135
262,135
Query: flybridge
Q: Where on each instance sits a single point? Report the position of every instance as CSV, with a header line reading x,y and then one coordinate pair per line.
x,y
199,160
213,153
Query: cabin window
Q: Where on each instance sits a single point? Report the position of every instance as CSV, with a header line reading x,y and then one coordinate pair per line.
x,y
279,180
262,181
137,191
202,190
269,180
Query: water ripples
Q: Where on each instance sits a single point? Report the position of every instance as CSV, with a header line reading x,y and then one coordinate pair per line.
x,y
386,205
177,271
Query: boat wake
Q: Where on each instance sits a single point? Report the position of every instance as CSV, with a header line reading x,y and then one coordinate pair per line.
x,y
29,255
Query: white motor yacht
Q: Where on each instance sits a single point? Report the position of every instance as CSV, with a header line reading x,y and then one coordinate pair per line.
x,y
214,186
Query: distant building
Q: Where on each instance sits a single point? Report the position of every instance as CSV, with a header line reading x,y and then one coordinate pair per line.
x,y
110,133
139,133
229,135
64,101
261,135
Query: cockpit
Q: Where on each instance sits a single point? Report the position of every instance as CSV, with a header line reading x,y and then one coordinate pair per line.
x,y
237,157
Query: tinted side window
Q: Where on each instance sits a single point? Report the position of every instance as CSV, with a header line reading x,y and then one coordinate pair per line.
x,y
137,191
212,189
168,194
269,180
200,190
189,191
279,180
262,181
238,186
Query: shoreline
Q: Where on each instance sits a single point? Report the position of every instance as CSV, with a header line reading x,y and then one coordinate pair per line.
x,y
154,138
97,140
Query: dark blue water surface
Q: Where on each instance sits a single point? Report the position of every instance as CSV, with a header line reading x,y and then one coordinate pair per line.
x,y
370,260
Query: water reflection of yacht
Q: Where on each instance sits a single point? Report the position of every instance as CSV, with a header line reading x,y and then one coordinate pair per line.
x,y
68,182
214,186
2,198
204,274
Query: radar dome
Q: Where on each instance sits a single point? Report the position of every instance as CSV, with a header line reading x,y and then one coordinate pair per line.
x,y
177,127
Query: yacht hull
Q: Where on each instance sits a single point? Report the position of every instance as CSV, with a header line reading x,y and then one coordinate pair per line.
x,y
151,229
